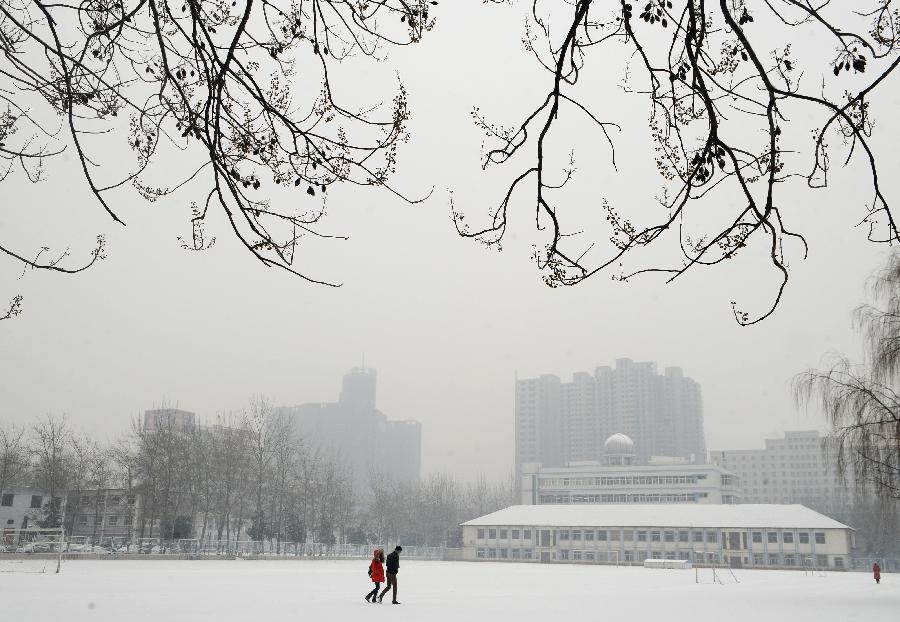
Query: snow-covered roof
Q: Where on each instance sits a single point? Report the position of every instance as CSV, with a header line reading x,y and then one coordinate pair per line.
x,y
662,515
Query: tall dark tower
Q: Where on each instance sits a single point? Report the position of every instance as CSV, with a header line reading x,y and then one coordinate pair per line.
x,y
358,389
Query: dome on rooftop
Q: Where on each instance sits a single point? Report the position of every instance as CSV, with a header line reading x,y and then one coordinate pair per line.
x,y
618,445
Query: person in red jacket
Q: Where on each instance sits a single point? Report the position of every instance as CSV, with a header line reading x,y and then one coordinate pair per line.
x,y
376,571
876,572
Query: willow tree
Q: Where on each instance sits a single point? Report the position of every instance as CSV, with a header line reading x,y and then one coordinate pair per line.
x,y
862,401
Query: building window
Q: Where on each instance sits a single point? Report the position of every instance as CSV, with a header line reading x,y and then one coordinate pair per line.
x,y
7,501
515,534
670,554
481,534
787,537
589,535
804,537
669,536
614,535
564,555
503,533
772,537
576,555
115,499
589,556
85,500
820,537
563,534
698,536
628,535
682,536
112,521
82,520
758,559
576,534
479,553
656,555
492,553
526,553
601,535
789,560
36,501
526,534
654,536
757,538
504,554
838,562
822,561
642,536
515,553
712,537
492,534
629,556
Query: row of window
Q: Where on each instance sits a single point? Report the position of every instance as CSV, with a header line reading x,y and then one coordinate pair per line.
x,y
36,501
112,521
636,480
622,498
758,559
649,535
111,500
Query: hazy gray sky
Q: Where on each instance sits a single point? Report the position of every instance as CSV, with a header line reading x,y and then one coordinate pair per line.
x,y
446,323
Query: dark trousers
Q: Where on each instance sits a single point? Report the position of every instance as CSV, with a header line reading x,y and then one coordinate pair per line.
x,y
391,582
374,592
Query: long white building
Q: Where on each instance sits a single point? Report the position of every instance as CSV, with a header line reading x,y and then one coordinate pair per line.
x,y
761,536
619,480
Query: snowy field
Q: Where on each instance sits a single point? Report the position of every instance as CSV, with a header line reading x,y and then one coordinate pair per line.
x,y
332,591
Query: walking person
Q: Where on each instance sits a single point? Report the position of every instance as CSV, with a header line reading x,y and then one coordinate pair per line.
x,y
876,572
393,567
376,572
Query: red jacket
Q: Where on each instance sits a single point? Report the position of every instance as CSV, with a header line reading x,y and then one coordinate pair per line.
x,y
876,570
377,571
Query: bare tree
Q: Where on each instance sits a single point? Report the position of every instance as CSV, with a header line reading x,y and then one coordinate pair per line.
x,y
244,90
13,456
727,84
51,439
861,401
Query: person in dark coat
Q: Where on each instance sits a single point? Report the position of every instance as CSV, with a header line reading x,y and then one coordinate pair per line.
x,y
393,567
376,572
876,572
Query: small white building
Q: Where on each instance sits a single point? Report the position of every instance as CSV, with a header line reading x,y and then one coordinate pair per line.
x,y
760,536
620,480
22,508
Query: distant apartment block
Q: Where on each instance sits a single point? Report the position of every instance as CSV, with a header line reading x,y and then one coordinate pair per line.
x,y
793,469
561,422
360,434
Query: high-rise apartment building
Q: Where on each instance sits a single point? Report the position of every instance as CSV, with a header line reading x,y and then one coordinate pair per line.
x,y
559,422
359,434
794,469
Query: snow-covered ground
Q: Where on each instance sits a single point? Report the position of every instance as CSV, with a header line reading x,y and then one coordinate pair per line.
x,y
332,591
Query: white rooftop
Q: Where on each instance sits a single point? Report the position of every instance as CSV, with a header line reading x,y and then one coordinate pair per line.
x,y
661,515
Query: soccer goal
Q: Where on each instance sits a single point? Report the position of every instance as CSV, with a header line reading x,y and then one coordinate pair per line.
x,y
612,557
709,569
811,568
32,550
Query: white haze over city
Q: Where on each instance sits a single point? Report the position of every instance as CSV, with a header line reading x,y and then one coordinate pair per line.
x,y
447,325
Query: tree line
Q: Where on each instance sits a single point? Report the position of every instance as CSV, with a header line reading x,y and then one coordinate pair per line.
x,y
249,475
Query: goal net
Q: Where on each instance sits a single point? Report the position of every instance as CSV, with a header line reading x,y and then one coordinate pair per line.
x,y
32,550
